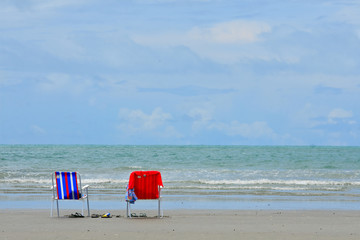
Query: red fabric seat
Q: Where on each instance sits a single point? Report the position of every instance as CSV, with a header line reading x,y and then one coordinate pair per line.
x,y
146,184
143,185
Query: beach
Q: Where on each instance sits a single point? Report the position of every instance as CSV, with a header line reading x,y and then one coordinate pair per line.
x,y
210,192
184,224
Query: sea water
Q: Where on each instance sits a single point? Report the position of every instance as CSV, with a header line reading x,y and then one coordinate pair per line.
x,y
201,177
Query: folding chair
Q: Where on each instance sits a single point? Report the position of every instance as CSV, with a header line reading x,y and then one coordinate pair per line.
x,y
143,185
67,186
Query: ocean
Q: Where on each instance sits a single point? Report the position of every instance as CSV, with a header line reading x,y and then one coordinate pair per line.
x,y
194,177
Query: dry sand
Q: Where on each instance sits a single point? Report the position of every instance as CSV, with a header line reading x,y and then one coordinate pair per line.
x,y
184,224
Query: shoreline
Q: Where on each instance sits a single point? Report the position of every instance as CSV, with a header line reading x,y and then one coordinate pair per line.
x,y
186,203
179,224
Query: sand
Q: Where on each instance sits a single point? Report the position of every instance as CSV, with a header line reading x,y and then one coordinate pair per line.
x,y
184,224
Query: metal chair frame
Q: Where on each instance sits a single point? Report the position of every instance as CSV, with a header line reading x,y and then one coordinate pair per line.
x,y
160,213
83,191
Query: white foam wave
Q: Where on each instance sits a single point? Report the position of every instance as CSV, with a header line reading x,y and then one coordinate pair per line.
x,y
278,182
105,180
48,181
26,181
292,182
252,188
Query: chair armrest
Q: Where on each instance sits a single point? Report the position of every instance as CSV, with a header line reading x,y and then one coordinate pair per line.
x,y
86,189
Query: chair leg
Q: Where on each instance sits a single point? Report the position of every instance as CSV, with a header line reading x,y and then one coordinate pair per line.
x,y
82,207
51,209
57,205
128,209
88,208
159,208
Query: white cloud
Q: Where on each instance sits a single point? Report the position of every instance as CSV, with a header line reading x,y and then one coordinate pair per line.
x,y
30,12
237,31
252,131
223,42
201,118
308,116
63,47
313,116
349,14
46,5
8,79
231,32
135,122
339,114
43,4
57,82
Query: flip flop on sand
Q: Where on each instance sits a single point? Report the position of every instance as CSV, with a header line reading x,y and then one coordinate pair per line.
x,y
76,215
106,215
142,215
95,215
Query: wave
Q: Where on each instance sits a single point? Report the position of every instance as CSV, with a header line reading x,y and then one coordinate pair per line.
x,y
263,181
202,186
279,182
40,181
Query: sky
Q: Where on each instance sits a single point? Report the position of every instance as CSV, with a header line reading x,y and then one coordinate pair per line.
x,y
180,72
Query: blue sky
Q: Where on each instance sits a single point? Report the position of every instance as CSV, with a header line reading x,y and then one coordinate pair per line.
x,y
180,72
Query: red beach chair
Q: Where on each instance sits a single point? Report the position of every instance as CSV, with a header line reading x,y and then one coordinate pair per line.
x,y
67,186
143,185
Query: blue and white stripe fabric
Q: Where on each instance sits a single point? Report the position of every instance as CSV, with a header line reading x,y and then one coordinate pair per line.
x,y
67,185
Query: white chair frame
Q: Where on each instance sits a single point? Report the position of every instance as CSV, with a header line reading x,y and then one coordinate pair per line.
x,y
160,212
84,191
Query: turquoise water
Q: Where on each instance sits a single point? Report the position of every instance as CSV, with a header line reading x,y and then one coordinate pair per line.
x,y
194,176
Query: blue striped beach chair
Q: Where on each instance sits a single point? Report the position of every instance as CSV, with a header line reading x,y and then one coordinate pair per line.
x,y
67,186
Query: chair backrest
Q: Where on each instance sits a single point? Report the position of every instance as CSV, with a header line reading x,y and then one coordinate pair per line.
x,y
146,184
67,185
